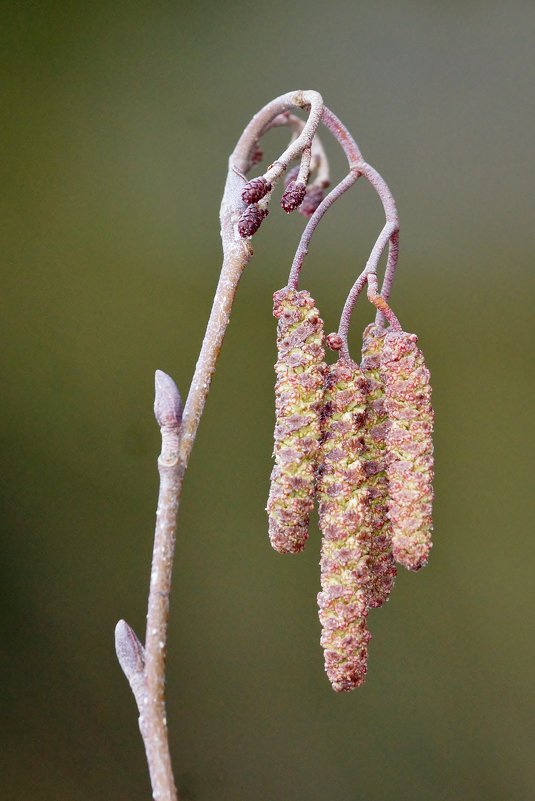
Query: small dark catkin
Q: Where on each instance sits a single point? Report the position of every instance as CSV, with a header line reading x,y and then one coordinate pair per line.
x,y
251,220
255,190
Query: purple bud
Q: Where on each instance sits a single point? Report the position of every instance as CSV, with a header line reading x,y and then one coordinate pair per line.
x,y
251,220
293,196
167,401
254,190
256,155
313,197
334,341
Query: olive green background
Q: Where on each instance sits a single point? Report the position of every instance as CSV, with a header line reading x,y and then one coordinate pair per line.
x,y
118,120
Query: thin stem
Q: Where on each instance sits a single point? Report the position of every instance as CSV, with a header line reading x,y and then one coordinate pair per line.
x,y
354,159
354,156
319,160
304,167
342,135
371,267
326,203
358,167
380,303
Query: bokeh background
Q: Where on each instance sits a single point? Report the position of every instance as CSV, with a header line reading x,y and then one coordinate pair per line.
x,y
118,119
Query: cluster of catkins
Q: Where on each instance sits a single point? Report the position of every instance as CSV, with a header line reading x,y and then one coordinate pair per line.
x,y
357,438
296,196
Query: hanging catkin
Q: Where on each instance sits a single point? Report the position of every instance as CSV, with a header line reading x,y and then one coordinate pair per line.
x,y
344,509
382,567
410,448
298,398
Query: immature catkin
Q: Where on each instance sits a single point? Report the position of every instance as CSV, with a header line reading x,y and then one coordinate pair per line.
x,y
313,197
298,399
250,220
382,567
410,448
293,196
344,511
255,190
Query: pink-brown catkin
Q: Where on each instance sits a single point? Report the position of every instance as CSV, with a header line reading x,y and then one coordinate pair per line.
x,y
410,448
298,400
382,567
344,510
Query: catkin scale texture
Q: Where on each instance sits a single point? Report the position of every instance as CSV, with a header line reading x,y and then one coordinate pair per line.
x,y
344,511
382,567
298,399
410,448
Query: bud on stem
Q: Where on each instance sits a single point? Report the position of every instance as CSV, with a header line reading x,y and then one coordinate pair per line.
x,y
167,401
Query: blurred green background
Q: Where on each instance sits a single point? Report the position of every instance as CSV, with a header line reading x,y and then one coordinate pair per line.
x,y
118,121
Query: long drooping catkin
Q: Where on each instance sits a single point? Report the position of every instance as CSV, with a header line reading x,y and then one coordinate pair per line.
x,y
344,509
410,448
382,567
298,399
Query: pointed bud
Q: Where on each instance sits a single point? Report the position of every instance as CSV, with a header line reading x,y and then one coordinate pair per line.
x,y
410,448
298,399
344,512
251,220
293,196
254,190
130,652
382,567
167,401
313,197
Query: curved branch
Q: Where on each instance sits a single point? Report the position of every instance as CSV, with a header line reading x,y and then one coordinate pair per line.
x,y
326,203
355,159
381,304
371,268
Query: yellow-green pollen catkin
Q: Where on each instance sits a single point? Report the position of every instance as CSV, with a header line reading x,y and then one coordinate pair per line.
x,y
344,511
298,400
382,567
410,448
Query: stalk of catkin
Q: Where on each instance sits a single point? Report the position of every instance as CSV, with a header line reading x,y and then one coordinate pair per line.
x,y
298,400
382,567
410,448
344,511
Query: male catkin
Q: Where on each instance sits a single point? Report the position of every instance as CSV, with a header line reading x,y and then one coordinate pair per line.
x,y
344,510
298,399
410,448
382,567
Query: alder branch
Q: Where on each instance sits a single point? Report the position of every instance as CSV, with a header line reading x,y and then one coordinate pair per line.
x,y
145,668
